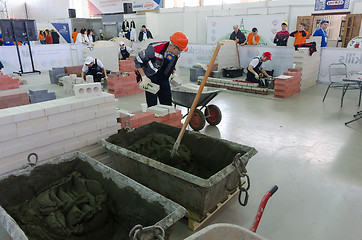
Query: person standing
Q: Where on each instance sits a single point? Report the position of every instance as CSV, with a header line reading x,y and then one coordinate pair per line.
x,y
55,37
48,37
95,68
300,35
41,37
90,36
322,32
253,37
238,36
74,35
144,34
82,37
281,38
156,64
255,67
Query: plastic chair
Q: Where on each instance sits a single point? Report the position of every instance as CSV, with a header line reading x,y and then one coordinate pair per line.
x,y
338,72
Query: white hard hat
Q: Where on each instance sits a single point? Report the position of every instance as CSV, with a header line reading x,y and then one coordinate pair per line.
x,y
121,43
88,60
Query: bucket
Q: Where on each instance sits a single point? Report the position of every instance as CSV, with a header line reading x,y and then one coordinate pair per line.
x,y
199,184
76,197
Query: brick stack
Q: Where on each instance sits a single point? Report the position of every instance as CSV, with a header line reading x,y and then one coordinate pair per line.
x,y
53,128
235,85
13,99
142,118
74,70
284,88
41,95
127,65
7,82
123,84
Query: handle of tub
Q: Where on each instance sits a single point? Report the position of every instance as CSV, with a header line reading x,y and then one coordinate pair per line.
x,y
148,233
127,126
238,163
31,164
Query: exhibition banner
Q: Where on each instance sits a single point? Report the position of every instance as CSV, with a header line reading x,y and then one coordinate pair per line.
x,y
63,30
116,6
351,57
321,5
220,28
197,53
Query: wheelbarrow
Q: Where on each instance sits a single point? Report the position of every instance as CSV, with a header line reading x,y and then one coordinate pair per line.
x,y
184,96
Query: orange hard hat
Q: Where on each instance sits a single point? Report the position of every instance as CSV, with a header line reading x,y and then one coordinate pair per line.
x,y
180,40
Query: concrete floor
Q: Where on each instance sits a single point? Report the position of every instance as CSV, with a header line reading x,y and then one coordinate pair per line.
x,y
303,147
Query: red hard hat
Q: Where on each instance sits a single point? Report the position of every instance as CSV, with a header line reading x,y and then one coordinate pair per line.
x,y
267,55
180,40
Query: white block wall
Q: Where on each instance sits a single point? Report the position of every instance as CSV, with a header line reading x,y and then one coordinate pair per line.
x,y
54,127
227,56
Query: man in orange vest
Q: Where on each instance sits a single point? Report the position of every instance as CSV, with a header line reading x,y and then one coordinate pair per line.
x,y
253,37
300,35
74,35
156,64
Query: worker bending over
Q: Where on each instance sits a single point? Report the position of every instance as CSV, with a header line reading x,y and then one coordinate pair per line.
x,y
156,63
124,51
256,67
95,68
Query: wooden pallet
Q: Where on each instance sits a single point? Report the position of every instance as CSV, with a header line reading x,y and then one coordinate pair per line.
x,y
194,221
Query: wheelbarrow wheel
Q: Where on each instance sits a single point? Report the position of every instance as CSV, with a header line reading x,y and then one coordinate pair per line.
x,y
197,121
213,114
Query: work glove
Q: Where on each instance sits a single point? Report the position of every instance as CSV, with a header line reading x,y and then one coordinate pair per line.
x,y
256,76
145,82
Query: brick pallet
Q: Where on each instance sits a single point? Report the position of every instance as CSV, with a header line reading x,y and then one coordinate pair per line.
x,y
7,82
123,84
142,118
284,88
127,65
73,70
13,99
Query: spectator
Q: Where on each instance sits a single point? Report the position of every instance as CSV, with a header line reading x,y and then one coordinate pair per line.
x,y
55,36
281,38
322,32
82,37
144,34
90,36
1,39
300,35
74,35
41,37
48,37
238,36
253,37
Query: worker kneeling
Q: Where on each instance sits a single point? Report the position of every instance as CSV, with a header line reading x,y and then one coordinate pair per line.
x,y
256,67
95,68
156,64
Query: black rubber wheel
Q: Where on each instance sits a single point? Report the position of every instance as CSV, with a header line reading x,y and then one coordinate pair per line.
x,y
213,115
197,121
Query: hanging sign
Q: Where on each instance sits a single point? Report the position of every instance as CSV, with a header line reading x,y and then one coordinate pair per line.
x,y
322,5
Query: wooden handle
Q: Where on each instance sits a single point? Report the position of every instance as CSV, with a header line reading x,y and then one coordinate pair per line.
x,y
196,100
237,52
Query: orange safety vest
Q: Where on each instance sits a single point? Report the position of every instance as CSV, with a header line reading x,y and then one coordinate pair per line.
x,y
41,37
299,39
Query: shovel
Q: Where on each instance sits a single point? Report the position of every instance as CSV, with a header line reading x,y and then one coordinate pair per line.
x,y
196,100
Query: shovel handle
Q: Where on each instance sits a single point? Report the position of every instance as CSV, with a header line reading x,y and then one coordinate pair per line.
x,y
196,100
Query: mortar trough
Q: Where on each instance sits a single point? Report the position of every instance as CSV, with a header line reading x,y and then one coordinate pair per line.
x,y
120,203
198,184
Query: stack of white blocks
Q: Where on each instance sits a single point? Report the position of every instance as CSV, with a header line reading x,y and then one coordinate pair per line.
x,y
309,64
55,127
158,110
227,56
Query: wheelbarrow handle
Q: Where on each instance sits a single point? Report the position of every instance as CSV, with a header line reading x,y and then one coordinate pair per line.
x,y
261,208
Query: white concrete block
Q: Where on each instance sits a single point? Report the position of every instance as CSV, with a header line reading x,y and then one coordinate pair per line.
x,y
105,111
158,111
79,80
85,127
89,79
88,89
110,131
6,117
112,123
87,136
70,145
57,122
171,109
108,97
11,163
19,113
93,101
76,105
107,105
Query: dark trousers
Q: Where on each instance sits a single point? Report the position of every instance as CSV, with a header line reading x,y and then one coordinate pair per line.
x,y
250,77
164,94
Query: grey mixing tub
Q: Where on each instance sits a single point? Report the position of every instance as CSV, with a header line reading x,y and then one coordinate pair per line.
x,y
200,195
21,185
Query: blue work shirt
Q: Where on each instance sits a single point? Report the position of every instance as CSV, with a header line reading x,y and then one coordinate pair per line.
x,y
323,34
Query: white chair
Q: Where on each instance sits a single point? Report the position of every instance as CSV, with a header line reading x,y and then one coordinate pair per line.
x,y
338,72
